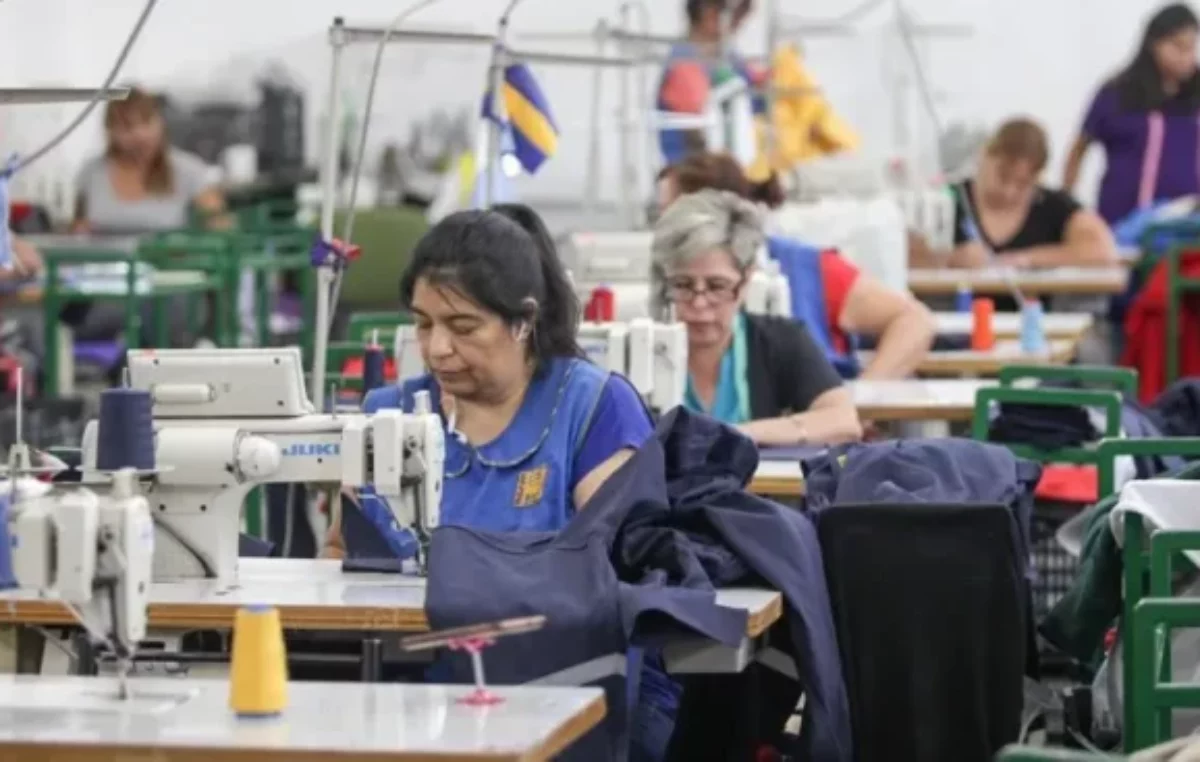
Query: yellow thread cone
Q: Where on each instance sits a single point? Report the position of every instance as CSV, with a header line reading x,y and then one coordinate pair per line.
x,y
258,669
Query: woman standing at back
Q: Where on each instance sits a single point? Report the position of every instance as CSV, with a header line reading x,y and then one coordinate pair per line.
x,y
1147,119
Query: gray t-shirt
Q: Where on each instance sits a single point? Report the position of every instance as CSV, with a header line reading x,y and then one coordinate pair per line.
x,y
105,212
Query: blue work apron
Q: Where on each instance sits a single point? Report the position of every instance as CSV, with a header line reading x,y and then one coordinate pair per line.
x,y
801,264
521,481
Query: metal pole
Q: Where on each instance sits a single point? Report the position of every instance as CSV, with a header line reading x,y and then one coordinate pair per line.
x,y
329,194
624,119
770,96
495,100
592,191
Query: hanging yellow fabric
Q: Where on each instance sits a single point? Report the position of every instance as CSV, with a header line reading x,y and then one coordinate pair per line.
x,y
806,126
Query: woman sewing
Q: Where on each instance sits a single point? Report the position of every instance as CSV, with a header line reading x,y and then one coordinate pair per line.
x,y
533,429
1005,217
764,375
141,184
1145,119
833,299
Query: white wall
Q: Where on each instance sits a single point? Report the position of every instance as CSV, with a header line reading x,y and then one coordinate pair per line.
x,y
1040,57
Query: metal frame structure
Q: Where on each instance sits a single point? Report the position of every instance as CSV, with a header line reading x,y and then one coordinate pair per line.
x,y
25,96
342,35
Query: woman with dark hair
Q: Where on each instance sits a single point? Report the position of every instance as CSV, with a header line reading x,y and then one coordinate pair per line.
x,y
1146,119
533,429
833,299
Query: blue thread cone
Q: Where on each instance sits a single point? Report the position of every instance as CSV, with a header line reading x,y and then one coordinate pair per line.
x,y
126,432
373,362
1033,327
7,578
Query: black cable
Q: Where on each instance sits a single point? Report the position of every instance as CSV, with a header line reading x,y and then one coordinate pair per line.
x,y
205,562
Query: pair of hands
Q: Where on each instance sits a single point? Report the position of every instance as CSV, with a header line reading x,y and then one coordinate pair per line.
x,y
26,261
977,257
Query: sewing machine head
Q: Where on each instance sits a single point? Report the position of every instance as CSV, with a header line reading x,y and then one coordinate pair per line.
x,y
653,356
91,549
227,421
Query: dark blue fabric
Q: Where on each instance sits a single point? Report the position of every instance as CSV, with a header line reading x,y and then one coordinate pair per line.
x,y
944,471
252,547
1174,413
742,537
595,607
638,567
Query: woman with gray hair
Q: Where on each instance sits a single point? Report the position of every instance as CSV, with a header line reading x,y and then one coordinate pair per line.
x,y
764,375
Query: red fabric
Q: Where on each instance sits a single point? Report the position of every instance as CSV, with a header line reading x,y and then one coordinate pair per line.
x,y
838,276
1068,484
353,368
685,89
1146,330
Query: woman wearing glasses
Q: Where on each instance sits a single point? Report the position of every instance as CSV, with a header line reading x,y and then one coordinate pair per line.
x,y
834,299
764,375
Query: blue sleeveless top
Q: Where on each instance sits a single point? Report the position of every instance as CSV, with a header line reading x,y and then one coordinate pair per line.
x,y
521,481
801,264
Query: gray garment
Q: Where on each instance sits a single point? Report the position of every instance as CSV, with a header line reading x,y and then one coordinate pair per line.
x,y
106,213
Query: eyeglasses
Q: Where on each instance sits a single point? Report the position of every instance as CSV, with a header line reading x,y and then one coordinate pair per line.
x,y
716,290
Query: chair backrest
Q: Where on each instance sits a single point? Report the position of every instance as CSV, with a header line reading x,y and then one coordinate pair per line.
x,y
931,608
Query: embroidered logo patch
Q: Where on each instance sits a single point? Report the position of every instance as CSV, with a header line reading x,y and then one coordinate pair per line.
x,y
531,486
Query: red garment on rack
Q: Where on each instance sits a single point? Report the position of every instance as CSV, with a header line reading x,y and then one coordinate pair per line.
x,y
1146,330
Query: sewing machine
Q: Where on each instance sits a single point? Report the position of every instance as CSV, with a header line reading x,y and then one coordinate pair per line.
x,y
91,550
228,420
621,262
653,356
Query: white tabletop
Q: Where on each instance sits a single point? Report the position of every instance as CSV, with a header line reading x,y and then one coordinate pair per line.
x,y
80,719
1057,324
995,280
311,594
916,399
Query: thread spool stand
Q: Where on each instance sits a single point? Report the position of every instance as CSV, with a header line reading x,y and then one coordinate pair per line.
x,y
473,647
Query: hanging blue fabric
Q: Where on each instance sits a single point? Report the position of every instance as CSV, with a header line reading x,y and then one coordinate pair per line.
x,y
6,253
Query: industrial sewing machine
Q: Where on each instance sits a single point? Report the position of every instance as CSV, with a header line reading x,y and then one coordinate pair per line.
x,y
228,420
89,549
653,356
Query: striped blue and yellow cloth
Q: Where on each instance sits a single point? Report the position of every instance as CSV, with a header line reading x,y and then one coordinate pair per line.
x,y
534,134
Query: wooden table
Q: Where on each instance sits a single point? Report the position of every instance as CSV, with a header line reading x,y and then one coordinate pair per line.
x,y
311,595
970,362
992,281
314,595
778,478
171,720
1007,325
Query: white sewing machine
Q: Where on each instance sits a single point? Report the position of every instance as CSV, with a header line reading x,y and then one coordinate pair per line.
x,y
91,550
621,262
227,420
653,356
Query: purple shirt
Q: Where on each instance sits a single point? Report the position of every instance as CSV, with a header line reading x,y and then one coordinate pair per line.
x,y
1150,156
